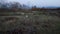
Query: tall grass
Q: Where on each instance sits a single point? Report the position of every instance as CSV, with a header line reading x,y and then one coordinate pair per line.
x,y
34,22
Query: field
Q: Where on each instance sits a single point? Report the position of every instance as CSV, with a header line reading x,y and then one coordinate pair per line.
x,y
26,22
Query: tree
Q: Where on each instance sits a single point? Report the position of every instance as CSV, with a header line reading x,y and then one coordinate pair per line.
x,y
15,6
34,7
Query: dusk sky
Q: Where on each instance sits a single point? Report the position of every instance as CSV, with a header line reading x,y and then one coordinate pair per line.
x,y
40,3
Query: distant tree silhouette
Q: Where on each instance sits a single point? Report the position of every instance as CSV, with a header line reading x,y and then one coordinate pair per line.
x,y
34,7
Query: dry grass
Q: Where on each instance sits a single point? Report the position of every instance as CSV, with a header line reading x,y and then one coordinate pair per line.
x,y
30,23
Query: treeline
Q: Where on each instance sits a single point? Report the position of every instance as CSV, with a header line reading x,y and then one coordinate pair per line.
x,y
14,6
34,8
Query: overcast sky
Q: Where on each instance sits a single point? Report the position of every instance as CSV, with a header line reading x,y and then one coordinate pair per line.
x,y
38,2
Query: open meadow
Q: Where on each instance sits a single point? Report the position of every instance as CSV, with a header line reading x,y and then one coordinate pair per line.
x,y
30,22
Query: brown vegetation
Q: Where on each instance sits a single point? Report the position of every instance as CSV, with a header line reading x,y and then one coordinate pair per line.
x,y
35,23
